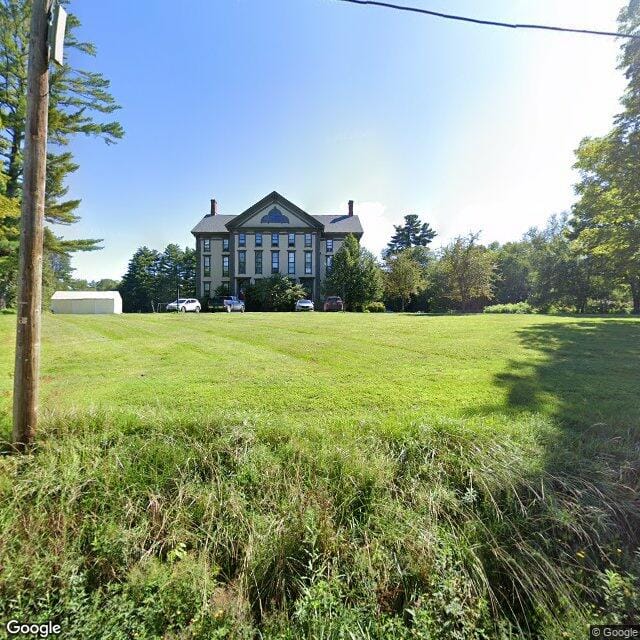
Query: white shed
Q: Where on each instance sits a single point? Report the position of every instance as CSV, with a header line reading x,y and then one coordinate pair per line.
x,y
86,302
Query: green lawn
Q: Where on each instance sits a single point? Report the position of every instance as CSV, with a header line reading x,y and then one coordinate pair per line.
x,y
326,476
340,371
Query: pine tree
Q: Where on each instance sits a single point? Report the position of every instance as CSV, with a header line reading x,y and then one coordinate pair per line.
x,y
413,233
76,98
138,286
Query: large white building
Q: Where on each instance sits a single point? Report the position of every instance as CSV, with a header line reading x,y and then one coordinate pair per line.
x,y
272,236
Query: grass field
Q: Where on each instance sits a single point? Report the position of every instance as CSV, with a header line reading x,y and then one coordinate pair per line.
x,y
308,475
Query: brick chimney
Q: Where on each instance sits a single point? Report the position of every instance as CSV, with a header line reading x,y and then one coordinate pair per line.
x,y
350,207
214,207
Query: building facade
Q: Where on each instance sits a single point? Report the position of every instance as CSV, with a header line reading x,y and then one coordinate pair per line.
x,y
272,236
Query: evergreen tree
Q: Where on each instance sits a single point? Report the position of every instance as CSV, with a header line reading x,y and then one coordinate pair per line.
x,y
413,233
138,286
175,268
76,97
355,275
153,278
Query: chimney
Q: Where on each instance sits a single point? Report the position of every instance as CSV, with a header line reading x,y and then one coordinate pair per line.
x,y
214,207
350,207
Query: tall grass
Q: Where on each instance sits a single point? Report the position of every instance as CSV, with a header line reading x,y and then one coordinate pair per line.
x,y
153,525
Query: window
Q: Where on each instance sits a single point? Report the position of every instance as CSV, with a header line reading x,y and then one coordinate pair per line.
x,y
329,246
291,267
275,262
242,262
207,267
242,239
258,239
275,240
258,261
225,244
308,265
206,245
292,239
225,266
207,289
328,264
307,240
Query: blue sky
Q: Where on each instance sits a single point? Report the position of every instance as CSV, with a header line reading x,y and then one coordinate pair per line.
x,y
473,128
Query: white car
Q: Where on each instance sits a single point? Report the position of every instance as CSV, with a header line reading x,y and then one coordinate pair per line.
x,y
184,305
304,305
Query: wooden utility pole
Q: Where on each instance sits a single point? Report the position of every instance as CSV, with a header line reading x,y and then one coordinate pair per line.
x,y
27,364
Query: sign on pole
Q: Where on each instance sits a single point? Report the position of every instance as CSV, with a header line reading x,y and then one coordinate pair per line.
x,y
57,30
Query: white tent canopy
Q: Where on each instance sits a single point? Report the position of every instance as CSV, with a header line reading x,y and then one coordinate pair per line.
x,y
88,302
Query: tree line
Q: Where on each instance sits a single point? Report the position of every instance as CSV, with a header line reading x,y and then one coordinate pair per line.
x,y
154,278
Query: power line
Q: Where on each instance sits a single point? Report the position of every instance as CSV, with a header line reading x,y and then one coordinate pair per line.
x,y
492,23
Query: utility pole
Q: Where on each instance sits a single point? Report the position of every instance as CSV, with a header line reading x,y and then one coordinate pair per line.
x,y
27,363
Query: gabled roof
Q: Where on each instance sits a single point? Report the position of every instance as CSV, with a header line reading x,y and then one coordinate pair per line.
x,y
273,198
338,223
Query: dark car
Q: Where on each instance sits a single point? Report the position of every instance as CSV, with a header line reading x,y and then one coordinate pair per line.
x,y
217,304
333,303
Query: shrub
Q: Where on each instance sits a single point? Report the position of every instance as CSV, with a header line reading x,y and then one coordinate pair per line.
x,y
513,307
276,293
376,307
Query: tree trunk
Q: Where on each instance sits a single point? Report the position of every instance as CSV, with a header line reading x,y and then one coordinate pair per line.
x,y
635,293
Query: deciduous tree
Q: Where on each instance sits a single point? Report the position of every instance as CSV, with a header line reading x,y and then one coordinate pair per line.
x,y
403,277
469,271
355,275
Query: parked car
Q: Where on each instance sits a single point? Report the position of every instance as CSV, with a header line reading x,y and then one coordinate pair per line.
x,y
184,305
226,303
217,304
304,305
333,303
234,304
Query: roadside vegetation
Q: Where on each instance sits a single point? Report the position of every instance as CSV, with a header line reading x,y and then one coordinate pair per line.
x,y
290,476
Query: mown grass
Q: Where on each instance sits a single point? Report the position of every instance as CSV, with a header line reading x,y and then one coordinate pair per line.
x,y
322,475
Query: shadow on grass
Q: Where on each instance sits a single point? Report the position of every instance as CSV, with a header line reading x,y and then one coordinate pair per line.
x,y
586,377
588,372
